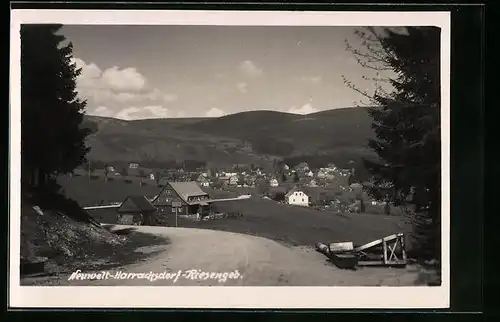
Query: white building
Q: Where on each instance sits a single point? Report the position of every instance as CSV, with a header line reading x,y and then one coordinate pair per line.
x,y
313,183
310,174
297,198
133,165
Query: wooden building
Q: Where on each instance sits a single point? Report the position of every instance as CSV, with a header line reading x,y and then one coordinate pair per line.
x,y
189,195
136,210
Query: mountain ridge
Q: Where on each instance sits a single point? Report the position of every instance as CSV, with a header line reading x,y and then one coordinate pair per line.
x,y
244,137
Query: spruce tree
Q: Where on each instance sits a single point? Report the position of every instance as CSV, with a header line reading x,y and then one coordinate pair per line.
x,y
52,138
406,121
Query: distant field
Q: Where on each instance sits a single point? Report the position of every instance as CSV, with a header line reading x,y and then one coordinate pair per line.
x,y
265,218
92,192
288,224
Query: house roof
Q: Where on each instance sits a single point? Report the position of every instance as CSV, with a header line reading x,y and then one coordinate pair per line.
x,y
187,189
289,193
136,203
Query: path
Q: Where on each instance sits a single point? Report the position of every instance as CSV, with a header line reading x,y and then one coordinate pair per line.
x,y
259,261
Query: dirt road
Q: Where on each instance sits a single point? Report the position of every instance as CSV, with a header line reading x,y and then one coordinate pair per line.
x,y
252,261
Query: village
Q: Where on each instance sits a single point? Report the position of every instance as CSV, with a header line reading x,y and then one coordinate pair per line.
x,y
324,189
187,167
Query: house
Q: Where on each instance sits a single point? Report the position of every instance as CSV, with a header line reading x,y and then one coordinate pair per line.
x,y
151,176
331,166
110,168
322,173
309,173
224,180
250,180
233,180
297,198
182,197
133,165
302,167
203,181
273,182
136,210
313,183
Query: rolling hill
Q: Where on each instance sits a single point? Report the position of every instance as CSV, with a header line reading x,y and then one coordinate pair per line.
x,y
247,137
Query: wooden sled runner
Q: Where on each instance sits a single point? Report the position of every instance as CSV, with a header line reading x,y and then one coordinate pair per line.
x,y
388,251
393,252
341,254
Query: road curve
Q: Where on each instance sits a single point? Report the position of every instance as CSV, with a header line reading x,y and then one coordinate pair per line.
x,y
253,261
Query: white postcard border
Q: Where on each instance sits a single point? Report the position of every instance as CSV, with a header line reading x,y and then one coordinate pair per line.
x,y
225,297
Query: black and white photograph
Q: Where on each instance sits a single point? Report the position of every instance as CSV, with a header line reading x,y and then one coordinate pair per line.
x,y
227,158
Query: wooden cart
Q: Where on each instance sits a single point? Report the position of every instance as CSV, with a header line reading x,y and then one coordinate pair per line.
x,y
393,252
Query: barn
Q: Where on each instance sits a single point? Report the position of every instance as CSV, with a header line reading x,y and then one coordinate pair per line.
x,y
136,210
188,195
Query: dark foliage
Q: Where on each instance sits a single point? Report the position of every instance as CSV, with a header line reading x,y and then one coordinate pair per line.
x,y
406,121
53,140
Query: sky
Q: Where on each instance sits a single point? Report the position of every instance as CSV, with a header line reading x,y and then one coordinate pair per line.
x,y
139,72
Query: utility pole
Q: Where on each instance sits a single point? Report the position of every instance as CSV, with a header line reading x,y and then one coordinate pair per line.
x,y
176,205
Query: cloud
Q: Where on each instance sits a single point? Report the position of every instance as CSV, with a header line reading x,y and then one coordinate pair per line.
x,y
169,98
158,111
181,114
115,79
127,79
124,97
214,112
305,109
103,111
250,69
242,87
111,88
146,112
220,76
311,79
129,113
